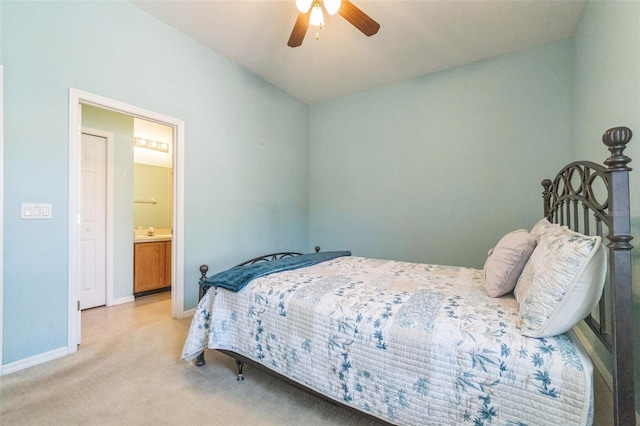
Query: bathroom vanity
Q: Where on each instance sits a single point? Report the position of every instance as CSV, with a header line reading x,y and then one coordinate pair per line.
x,y
151,264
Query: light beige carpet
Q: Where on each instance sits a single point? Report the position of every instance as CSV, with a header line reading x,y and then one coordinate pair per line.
x,y
136,378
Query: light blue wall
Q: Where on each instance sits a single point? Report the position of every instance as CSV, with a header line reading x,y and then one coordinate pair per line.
x,y
606,93
438,168
606,81
246,149
402,172
121,125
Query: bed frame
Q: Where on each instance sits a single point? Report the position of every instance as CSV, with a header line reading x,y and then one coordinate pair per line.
x,y
203,275
589,198
586,197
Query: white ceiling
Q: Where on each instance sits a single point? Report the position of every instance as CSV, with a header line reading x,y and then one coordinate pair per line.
x,y
416,38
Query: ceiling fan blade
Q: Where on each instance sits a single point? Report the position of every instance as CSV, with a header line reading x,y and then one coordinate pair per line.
x,y
358,18
299,29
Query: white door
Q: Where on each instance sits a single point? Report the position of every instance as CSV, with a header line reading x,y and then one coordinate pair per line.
x,y
93,280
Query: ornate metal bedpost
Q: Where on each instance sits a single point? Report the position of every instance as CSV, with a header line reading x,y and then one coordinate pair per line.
x,y
620,263
546,198
203,276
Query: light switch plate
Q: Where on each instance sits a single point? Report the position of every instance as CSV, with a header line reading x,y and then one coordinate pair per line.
x,y
35,211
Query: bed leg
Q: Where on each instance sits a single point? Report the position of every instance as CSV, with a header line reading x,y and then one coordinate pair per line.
x,y
200,359
240,365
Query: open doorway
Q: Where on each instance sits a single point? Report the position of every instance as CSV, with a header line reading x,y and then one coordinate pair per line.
x,y
113,173
152,207
120,290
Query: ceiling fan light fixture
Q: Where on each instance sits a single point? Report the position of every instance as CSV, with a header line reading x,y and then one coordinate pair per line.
x,y
317,18
303,5
332,6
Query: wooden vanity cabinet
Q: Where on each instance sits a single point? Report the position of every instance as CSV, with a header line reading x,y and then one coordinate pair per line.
x,y
167,264
151,267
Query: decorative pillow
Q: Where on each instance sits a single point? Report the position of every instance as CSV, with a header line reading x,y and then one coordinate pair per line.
x,y
543,226
561,283
506,261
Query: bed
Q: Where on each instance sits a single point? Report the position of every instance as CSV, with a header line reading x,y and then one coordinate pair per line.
x,y
417,344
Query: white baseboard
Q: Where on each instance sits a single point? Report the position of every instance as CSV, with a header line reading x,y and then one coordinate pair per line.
x,y
188,313
34,360
122,300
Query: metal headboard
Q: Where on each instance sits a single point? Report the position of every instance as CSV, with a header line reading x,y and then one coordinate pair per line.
x,y
591,198
573,199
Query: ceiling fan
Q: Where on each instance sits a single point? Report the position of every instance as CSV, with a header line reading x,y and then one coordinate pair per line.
x,y
311,14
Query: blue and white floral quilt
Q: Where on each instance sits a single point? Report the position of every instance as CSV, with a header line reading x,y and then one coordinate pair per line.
x,y
412,344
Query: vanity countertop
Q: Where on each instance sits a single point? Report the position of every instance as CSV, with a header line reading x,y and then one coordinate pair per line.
x,y
152,238
160,234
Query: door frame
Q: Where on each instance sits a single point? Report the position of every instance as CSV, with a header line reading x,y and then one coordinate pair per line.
x,y
77,98
1,209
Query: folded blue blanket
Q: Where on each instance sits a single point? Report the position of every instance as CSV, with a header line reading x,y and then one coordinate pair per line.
x,y
235,279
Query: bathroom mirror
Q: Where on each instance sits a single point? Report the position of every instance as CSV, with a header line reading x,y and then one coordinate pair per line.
x,y
152,175
152,196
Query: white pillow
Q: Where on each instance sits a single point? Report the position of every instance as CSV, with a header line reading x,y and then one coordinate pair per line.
x,y
561,283
506,261
543,226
